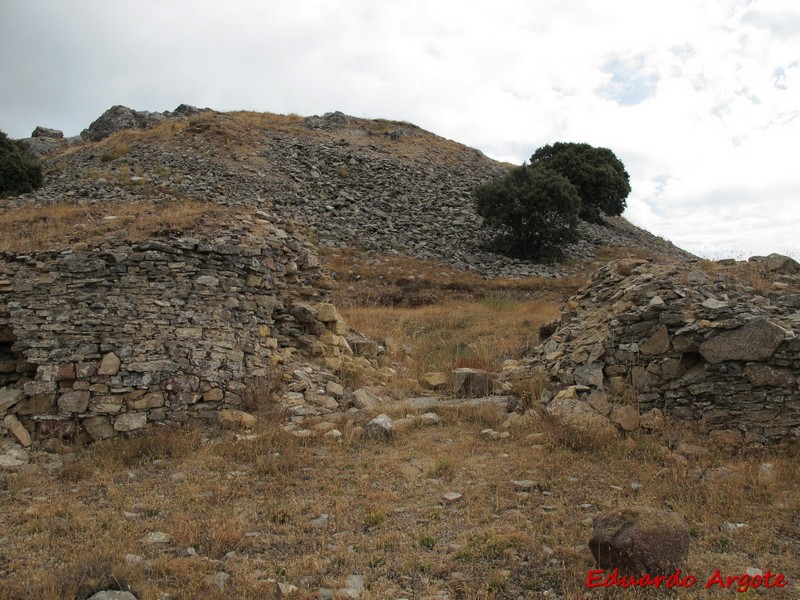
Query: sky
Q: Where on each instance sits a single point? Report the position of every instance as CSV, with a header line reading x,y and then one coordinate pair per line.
x,y
699,98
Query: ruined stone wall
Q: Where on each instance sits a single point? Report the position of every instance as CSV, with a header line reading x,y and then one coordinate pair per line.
x,y
118,337
702,348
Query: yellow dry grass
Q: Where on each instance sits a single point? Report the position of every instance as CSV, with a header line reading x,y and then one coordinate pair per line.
x,y
62,225
251,508
452,334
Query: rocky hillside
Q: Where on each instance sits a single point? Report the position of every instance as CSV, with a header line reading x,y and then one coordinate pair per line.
x,y
168,268
386,187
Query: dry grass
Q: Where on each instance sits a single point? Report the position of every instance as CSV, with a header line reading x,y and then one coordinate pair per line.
x,y
369,280
62,225
441,337
749,273
247,507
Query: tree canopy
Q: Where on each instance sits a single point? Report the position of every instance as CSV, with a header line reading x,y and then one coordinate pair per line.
x,y
532,210
536,207
599,176
19,174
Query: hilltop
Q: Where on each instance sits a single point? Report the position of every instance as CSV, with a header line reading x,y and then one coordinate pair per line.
x,y
385,187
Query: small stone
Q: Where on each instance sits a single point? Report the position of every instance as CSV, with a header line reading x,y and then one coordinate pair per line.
x,y
435,380
490,434
652,420
156,538
353,587
285,589
327,313
451,497
133,560
334,435
766,474
365,400
320,521
430,418
219,579
17,430
380,429
74,402
714,304
471,383
691,450
130,421
112,595
236,418
109,365
9,397
627,417
523,485
334,389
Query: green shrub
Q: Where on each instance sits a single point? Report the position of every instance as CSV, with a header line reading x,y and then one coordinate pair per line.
x,y
19,174
533,210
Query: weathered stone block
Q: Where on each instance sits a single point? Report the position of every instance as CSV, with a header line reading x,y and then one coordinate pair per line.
x,y
74,401
151,400
756,340
9,397
640,541
109,365
765,375
472,382
380,429
591,375
130,421
658,343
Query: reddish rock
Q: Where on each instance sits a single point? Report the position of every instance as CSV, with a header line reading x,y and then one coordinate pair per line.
x,y
640,540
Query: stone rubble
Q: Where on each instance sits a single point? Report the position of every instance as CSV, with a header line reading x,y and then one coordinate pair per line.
x,y
642,341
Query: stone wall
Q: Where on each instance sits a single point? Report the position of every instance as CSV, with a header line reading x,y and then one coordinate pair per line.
x,y
699,346
124,335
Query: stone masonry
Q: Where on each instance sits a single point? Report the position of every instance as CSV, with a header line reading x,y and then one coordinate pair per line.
x,y
117,337
700,347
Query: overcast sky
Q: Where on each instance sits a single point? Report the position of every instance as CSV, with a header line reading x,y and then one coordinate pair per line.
x,y
699,98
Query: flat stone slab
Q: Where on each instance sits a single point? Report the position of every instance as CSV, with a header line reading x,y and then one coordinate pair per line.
x,y
427,403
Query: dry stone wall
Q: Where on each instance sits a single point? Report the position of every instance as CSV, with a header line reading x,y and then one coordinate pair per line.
x,y
125,335
700,347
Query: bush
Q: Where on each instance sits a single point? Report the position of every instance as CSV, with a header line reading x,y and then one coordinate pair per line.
x,y
533,209
19,174
599,176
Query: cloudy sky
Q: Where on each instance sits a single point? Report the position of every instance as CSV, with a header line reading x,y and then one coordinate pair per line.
x,y
699,98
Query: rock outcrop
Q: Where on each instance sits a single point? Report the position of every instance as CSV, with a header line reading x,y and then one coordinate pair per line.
x,y
121,117
700,347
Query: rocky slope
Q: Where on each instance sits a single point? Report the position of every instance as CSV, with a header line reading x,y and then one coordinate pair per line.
x,y
387,187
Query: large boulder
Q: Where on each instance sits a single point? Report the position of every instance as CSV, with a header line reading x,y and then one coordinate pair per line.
x,y
640,540
755,340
